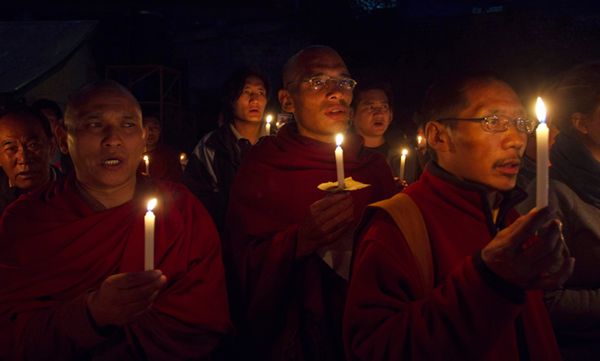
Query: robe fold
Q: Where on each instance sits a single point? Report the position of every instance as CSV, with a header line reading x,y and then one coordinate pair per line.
x,y
471,314
292,308
55,249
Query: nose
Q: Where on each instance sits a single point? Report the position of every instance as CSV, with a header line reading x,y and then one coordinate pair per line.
x,y
23,154
514,138
112,137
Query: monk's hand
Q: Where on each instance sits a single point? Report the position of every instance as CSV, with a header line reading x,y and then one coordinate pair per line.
x,y
123,297
530,262
327,219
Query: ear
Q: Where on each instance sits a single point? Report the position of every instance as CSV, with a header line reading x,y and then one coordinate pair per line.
x,y
286,101
61,138
437,137
579,121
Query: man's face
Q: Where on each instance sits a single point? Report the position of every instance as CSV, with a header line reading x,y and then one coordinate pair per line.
x,y
24,151
491,159
153,132
250,106
373,114
320,114
106,140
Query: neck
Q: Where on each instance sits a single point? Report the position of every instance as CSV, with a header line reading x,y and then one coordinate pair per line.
x,y
108,198
373,142
248,130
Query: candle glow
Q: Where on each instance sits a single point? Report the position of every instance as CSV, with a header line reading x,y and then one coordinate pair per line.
x,y
404,153
542,157
149,220
269,119
147,163
339,160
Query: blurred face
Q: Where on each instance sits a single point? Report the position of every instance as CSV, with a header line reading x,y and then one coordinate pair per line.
x,y
24,151
373,114
250,106
320,114
52,118
491,159
106,140
153,132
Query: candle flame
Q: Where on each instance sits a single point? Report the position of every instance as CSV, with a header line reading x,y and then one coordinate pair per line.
x,y
269,118
419,139
540,110
339,138
151,204
146,159
404,151
182,156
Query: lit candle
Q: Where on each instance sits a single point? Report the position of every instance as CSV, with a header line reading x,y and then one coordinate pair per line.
x,y
339,160
183,160
419,140
149,236
147,162
542,160
403,162
268,125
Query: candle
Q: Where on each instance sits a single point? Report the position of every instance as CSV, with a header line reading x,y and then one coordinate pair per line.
x,y
339,160
147,162
149,236
419,140
403,162
183,160
542,160
268,125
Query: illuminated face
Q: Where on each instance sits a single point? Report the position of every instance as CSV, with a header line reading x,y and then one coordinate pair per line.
x,y
491,159
106,140
24,151
250,106
320,114
373,114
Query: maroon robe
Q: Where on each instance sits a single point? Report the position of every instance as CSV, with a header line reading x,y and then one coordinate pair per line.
x,y
164,164
54,249
292,308
471,314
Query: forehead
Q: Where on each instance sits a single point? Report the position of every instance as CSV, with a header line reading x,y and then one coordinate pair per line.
x,y
492,96
253,80
321,61
20,126
372,95
101,101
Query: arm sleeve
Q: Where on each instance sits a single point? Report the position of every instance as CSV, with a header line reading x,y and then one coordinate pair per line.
x,y
384,320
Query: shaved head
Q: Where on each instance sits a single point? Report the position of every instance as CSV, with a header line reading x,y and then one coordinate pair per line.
x,y
309,58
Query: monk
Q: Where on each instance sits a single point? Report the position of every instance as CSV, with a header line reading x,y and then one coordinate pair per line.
x,y
480,297
72,254
292,242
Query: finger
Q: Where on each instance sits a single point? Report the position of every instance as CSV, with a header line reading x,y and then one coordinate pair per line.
x,y
526,225
140,293
544,247
339,219
551,261
134,279
333,212
329,200
557,279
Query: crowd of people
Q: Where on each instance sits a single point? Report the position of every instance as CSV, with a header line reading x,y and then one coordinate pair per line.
x,y
438,256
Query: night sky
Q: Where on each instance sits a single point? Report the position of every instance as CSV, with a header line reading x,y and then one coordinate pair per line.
x,y
410,43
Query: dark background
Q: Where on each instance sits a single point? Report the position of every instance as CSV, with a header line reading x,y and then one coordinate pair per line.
x,y
410,43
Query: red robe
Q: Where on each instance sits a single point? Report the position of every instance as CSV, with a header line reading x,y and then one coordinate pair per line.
x,y
163,163
54,249
471,314
292,308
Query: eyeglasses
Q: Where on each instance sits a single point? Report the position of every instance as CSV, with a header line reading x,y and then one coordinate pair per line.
x,y
319,82
499,123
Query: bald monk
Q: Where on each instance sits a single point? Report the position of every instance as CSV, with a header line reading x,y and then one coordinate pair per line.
x,y
72,254
290,241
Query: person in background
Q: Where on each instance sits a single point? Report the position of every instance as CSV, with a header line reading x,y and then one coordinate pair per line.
x,y
575,196
163,161
26,143
216,158
51,110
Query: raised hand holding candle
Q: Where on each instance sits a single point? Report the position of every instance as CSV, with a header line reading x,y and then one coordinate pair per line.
x,y
403,162
268,125
339,160
149,219
147,163
542,159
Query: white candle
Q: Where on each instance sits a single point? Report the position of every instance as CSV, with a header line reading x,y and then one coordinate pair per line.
x,y
542,160
339,160
147,162
183,160
419,140
149,236
403,162
268,125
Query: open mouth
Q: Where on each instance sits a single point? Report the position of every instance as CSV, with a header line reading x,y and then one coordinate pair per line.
x,y
336,111
111,162
509,167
